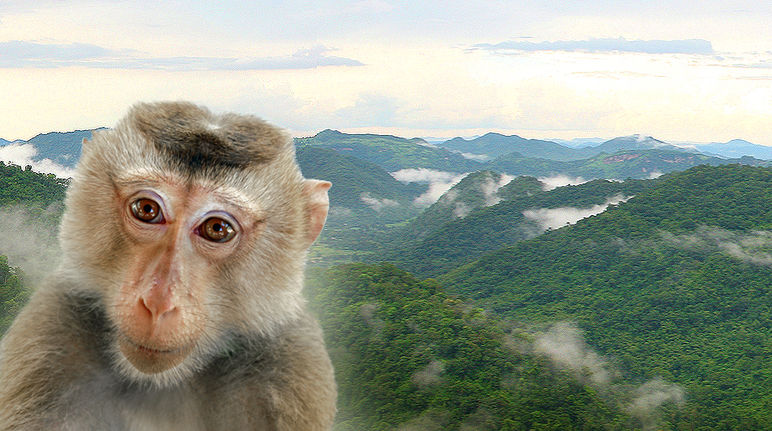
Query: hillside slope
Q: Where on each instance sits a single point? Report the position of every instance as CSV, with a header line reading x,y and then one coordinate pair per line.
x,y
432,248
390,152
676,282
409,357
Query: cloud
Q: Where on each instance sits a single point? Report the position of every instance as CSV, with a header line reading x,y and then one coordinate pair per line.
x,y
553,218
29,244
423,175
478,157
654,175
429,375
752,247
684,46
375,203
560,181
564,344
490,187
23,154
461,210
19,54
439,182
650,396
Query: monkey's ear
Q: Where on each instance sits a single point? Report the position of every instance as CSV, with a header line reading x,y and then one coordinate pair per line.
x,y
317,204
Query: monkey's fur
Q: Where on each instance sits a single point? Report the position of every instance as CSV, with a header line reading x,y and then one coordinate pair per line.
x,y
232,346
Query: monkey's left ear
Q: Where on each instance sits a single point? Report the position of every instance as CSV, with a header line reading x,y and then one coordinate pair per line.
x,y
317,204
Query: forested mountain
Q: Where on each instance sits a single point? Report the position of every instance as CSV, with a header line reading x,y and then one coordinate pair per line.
x,y
361,187
676,282
390,152
61,147
432,248
620,165
493,145
407,356
24,186
633,142
736,148
40,196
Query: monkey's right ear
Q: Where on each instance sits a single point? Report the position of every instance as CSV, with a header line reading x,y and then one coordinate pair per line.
x,y
317,204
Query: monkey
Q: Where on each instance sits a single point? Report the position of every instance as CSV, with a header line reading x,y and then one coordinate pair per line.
x,y
178,302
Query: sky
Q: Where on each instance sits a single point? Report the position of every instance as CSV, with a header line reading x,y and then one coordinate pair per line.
x,y
681,71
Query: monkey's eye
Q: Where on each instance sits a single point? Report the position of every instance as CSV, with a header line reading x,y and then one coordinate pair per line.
x,y
216,229
147,210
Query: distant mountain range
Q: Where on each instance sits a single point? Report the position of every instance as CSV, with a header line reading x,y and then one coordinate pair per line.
x,y
490,151
391,152
736,148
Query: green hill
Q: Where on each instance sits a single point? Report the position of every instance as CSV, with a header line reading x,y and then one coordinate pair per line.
x,y
353,179
364,200
63,148
40,196
24,186
620,165
390,152
494,145
409,357
432,247
476,190
676,282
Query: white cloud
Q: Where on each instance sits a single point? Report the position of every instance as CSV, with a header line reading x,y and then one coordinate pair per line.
x,y
429,375
560,181
29,244
423,175
564,344
491,187
688,46
439,182
753,247
650,396
553,218
21,54
435,191
654,174
22,155
478,157
377,204
461,210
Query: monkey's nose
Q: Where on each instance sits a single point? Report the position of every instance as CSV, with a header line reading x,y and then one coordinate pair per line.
x,y
158,303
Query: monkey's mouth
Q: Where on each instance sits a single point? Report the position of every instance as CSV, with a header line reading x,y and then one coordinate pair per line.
x,y
152,351
152,360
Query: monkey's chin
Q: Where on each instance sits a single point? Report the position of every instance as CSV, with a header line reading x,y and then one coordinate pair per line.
x,y
148,360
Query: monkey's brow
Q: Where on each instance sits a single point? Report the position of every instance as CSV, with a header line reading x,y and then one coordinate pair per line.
x,y
226,195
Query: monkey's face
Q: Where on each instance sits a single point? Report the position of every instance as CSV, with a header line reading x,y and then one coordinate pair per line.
x,y
189,227
180,237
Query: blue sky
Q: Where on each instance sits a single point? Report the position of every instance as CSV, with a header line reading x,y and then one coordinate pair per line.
x,y
680,71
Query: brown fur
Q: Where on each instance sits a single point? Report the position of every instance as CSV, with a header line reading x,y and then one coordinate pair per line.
x,y
253,358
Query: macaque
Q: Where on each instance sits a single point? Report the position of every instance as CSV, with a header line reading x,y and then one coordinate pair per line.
x,y
177,305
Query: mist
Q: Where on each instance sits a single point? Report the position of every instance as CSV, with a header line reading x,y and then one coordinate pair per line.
x,y
375,203
560,181
22,155
553,218
753,247
563,343
29,243
439,183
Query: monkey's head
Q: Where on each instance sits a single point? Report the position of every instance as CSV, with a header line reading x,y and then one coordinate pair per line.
x,y
189,227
